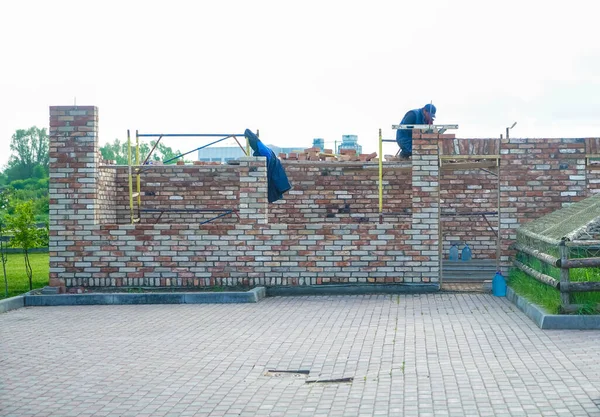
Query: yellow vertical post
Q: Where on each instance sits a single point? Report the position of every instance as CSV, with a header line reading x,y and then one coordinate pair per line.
x,y
130,175
380,174
137,163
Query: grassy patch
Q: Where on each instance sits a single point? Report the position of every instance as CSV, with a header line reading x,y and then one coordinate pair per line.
x,y
17,278
548,297
534,291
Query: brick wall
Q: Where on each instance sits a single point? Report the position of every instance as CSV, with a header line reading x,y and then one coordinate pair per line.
x,y
538,176
108,198
326,231
593,179
173,187
469,191
344,192
243,254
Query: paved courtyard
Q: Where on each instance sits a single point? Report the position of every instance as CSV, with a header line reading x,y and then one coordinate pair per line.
x,y
455,354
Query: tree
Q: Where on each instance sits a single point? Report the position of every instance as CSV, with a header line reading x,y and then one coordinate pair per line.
x,y
29,148
25,234
117,151
4,200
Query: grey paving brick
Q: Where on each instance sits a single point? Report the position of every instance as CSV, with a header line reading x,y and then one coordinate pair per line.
x,y
436,354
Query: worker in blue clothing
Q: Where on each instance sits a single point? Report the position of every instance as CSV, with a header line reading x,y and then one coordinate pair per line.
x,y
422,116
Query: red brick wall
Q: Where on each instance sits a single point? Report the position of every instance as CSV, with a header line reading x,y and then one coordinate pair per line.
x,y
343,192
593,179
538,176
204,187
108,199
472,191
212,254
300,245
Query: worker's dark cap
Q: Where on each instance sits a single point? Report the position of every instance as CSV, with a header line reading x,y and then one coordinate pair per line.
x,y
430,108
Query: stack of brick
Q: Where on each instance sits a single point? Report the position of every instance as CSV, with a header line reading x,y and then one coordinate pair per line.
x,y
315,154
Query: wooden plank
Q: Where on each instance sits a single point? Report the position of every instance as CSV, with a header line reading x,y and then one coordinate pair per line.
x,y
580,286
565,297
545,279
583,243
544,257
581,263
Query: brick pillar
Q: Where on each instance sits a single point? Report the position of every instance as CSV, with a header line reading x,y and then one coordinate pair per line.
x,y
73,185
425,229
253,202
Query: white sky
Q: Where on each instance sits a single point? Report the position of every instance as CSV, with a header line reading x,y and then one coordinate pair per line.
x,y
304,69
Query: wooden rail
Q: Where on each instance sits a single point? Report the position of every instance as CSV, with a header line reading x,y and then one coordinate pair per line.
x,y
564,284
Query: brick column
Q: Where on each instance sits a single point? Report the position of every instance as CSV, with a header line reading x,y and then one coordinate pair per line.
x,y
253,202
73,185
425,229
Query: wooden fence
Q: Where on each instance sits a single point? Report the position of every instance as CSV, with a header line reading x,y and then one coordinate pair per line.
x,y
564,284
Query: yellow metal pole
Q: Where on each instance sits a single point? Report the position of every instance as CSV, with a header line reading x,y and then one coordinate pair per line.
x,y
137,162
380,174
130,175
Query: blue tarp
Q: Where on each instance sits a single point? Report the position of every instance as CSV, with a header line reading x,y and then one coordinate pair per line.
x,y
278,182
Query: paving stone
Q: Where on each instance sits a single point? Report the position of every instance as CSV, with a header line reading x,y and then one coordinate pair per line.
x,y
444,354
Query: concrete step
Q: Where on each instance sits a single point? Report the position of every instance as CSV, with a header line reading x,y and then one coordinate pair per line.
x,y
475,270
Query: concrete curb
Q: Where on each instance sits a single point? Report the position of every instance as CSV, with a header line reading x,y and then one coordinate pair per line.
x,y
352,289
12,303
552,321
251,296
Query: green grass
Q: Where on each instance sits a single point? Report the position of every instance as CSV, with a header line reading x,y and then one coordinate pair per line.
x,y
548,297
17,278
541,294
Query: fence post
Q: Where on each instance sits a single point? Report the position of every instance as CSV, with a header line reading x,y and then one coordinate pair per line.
x,y
565,298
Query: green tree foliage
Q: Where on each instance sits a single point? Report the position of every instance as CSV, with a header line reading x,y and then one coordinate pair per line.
x,y
4,201
117,151
29,148
25,233
34,190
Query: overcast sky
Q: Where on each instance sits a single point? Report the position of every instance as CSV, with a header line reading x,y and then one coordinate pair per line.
x,y
301,70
